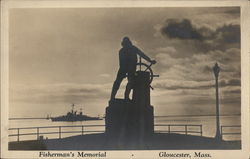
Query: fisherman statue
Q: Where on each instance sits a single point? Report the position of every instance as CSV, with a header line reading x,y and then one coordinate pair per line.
x,y
134,118
128,61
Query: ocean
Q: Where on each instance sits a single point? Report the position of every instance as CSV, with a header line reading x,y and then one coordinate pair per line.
x,y
208,126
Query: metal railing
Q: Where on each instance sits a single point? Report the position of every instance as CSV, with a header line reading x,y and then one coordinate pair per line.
x,y
186,129
59,132
223,130
37,130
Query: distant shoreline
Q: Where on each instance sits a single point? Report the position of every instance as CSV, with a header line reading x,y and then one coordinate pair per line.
x,y
196,115
24,118
29,118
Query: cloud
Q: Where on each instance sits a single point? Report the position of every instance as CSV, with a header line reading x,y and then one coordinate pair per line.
x,y
165,60
187,82
184,29
59,93
175,85
105,75
168,49
228,33
198,67
196,85
233,11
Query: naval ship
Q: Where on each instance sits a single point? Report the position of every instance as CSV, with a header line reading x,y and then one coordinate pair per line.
x,y
74,116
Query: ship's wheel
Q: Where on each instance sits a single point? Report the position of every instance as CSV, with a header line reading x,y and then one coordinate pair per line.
x,y
146,68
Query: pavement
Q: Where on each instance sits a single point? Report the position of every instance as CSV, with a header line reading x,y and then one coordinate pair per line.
x,y
102,141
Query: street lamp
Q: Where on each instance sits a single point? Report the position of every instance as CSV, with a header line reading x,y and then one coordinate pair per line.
x,y
216,70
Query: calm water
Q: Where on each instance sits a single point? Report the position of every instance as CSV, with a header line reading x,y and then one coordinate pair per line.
x,y
207,122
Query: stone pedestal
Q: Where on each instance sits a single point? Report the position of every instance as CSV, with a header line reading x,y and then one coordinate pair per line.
x,y
132,118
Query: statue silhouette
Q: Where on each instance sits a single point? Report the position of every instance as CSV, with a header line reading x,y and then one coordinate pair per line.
x,y
127,60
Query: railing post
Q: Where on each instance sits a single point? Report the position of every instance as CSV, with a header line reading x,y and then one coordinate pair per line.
x,y
221,127
140,62
201,129
169,129
37,134
82,129
59,132
186,129
18,134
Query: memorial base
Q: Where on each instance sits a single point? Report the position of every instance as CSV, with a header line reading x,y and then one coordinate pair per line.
x,y
125,118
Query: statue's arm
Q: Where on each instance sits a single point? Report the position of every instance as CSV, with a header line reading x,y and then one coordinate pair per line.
x,y
120,57
141,54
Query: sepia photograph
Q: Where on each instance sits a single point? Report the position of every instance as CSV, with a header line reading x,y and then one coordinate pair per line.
x,y
86,81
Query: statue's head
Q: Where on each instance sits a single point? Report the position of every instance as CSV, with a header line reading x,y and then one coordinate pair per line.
x,y
126,42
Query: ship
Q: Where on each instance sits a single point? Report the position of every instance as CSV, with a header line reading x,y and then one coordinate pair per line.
x,y
74,116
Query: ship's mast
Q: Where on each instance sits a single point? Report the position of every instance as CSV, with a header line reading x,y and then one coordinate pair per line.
x,y
73,108
80,111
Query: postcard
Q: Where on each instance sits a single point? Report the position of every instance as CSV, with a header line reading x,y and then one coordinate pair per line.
x,y
125,79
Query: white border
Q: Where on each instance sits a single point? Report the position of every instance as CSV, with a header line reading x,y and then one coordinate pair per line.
x,y
245,52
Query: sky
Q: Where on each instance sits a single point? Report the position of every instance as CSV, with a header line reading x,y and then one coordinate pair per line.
x,y
64,56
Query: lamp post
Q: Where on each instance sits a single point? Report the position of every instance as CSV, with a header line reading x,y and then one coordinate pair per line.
x,y
216,70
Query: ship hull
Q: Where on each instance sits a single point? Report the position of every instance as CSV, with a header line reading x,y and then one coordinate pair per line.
x,y
72,119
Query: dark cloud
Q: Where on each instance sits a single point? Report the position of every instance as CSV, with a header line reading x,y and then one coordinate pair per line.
x,y
228,33
231,82
237,74
181,29
186,30
234,82
231,100
237,91
199,100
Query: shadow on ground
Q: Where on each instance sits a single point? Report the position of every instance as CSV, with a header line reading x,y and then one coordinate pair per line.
x,y
157,141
